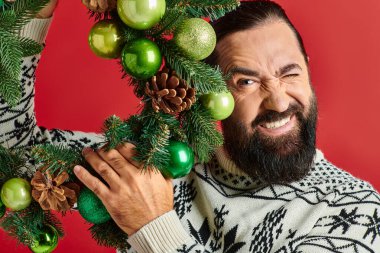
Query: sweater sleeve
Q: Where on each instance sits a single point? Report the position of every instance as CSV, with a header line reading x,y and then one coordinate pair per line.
x,y
18,125
165,234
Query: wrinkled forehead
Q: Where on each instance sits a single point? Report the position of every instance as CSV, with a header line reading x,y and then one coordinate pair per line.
x,y
270,44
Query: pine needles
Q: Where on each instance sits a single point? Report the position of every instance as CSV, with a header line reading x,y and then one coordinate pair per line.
x,y
109,234
212,9
11,162
200,130
13,47
56,159
28,224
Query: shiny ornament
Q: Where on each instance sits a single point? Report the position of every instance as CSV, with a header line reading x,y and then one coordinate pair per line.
x,y
141,14
1,3
196,38
105,39
181,160
46,242
220,105
141,58
2,209
16,194
91,207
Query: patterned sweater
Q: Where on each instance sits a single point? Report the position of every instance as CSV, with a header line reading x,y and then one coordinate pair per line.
x,y
218,208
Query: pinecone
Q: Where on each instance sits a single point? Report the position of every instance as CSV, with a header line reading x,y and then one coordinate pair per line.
x,y
54,193
169,92
100,6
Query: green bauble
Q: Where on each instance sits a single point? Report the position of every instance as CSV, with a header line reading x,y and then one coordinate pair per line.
x,y
105,39
2,209
141,58
141,14
91,207
1,3
16,194
46,242
196,38
181,160
220,105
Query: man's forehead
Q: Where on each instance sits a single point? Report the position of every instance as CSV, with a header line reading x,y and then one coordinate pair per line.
x,y
269,41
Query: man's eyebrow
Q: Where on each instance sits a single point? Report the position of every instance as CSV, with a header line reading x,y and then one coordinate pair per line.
x,y
287,68
243,71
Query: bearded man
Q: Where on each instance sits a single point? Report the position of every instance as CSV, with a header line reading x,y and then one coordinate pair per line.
x,y
268,189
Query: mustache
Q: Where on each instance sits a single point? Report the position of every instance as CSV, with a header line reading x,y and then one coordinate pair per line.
x,y
271,116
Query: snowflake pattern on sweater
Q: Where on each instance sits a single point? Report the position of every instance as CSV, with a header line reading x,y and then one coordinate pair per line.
x,y
218,210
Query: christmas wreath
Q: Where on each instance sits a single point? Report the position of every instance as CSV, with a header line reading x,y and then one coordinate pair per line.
x,y
160,48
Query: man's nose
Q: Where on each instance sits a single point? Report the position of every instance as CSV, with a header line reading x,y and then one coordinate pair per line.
x,y
276,98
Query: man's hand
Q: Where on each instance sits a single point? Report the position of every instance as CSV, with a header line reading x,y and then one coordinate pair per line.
x,y
133,198
100,5
48,10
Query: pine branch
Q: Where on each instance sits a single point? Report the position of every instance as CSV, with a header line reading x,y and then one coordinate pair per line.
x,y
138,85
11,54
117,131
57,159
108,234
29,47
11,160
172,3
28,224
129,34
6,6
171,20
10,88
204,78
53,220
178,134
13,48
7,19
213,9
25,10
201,132
152,149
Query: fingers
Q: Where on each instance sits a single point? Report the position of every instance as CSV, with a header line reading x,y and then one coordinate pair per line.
x,y
128,151
86,2
117,161
103,5
99,6
101,167
92,183
91,4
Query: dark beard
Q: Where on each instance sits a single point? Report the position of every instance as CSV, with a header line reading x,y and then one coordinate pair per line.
x,y
274,160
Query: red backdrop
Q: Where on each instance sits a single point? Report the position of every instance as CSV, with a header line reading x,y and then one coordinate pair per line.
x,y
76,90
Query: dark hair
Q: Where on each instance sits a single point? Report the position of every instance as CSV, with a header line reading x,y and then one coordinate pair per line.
x,y
248,15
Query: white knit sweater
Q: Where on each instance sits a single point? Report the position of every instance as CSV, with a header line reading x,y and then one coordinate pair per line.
x,y
217,208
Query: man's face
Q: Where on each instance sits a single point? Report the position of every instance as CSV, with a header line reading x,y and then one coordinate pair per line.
x,y
271,133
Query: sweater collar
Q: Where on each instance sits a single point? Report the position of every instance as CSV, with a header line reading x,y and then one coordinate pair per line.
x,y
233,171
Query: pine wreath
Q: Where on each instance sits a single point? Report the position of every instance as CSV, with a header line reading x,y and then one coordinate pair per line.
x,y
171,112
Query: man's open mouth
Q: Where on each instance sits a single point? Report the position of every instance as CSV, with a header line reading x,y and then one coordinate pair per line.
x,y
279,127
276,124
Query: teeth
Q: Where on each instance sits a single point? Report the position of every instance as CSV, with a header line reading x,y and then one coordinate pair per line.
x,y
277,124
